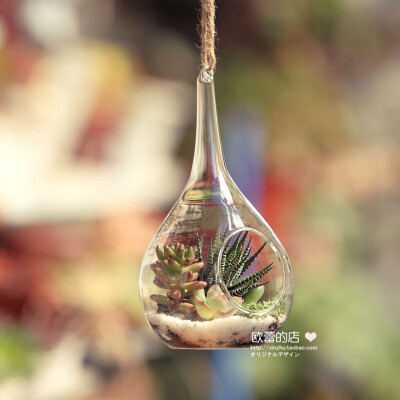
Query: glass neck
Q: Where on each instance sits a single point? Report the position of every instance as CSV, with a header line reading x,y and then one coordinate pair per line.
x,y
208,167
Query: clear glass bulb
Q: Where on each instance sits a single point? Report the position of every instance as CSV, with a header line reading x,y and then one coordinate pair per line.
x,y
215,274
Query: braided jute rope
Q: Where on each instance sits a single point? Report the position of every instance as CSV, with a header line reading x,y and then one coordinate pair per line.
x,y
208,33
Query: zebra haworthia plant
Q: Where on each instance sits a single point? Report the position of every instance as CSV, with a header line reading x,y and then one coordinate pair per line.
x,y
235,262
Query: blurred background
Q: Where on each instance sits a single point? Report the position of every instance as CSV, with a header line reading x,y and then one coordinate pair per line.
x,y
97,126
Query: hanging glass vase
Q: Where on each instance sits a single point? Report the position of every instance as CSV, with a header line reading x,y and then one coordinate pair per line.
x,y
215,274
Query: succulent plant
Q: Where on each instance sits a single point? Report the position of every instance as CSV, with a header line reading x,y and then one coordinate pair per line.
x,y
254,295
177,270
235,261
192,290
213,305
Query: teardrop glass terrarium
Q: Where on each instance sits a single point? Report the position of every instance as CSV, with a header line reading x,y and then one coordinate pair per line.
x,y
215,273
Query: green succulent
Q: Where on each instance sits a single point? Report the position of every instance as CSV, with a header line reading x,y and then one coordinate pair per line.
x,y
213,305
254,295
177,269
235,261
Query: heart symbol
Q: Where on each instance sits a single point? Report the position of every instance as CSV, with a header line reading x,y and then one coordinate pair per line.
x,y
310,336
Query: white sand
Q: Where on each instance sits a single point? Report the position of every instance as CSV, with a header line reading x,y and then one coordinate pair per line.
x,y
228,332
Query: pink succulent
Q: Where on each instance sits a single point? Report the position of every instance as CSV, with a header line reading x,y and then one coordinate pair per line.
x,y
214,305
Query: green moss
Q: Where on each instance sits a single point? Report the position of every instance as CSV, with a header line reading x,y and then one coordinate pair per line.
x,y
263,305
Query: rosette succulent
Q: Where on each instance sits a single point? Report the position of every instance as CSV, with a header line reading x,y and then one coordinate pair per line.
x,y
213,305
